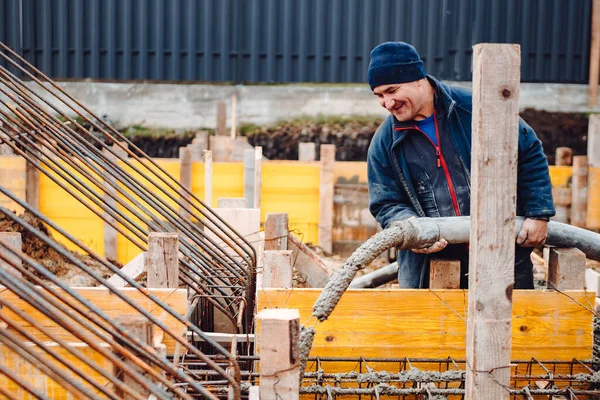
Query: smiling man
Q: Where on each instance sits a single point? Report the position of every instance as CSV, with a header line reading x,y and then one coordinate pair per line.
x,y
419,163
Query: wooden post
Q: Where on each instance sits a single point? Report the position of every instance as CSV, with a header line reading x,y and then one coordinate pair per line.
x,y
564,156
185,180
566,269
276,231
32,185
221,119
579,189
593,185
279,354
444,274
231,202
233,116
593,141
208,175
162,262
562,197
13,240
326,198
594,55
110,233
496,75
307,151
249,177
277,269
141,328
257,176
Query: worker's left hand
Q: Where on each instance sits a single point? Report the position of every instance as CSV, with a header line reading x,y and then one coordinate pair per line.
x,y
533,233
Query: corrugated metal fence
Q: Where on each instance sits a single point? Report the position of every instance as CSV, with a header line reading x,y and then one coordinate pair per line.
x,y
289,40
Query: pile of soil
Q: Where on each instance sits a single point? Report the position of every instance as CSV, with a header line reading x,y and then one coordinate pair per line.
x,y
48,257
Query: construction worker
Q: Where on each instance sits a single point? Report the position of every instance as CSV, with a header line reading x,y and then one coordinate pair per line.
x,y
420,158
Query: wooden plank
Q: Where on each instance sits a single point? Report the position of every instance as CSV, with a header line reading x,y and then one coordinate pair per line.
x,y
277,269
496,75
566,269
109,303
593,141
14,242
257,177
594,55
592,214
562,197
231,202
276,231
133,269
444,274
249,177
307,151
279,354
208,178
32,185
185,180
579,192
326,197
424,323
162,261
307,263
233,116
140,328
221,128
222,148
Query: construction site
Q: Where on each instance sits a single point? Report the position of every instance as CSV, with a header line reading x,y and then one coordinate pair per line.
x,y
240,259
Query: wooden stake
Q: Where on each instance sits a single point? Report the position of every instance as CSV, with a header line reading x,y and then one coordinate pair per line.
x,y
162,262
249,177
496,74
32,185
185,180
233,116
564,156
593,195
276,231
326,198
307,151
594,55
444,274
14,241
593,140
221,119
257,176
208,175
231,202
110,233
308,263
566,269
279,354
562,202
579,195
277,269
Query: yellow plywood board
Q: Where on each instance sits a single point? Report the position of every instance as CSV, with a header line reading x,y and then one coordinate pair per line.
x,y
353,172
560,175
110,304
425,323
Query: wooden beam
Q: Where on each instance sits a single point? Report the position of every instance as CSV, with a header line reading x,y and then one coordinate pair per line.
x,y
249,177
326,198
233,116
133,269
276,231
279,354
221,129
231,202
579,195
162,261
592,214
307,151
110,233
257,177
222,148
208,178
185,180
566,269
593,141
496,75
14,241
32,185
594,55
277,269
564,156
308,263
444,274
562,197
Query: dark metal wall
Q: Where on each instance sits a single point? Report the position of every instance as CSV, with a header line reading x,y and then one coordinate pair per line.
x,y
289,40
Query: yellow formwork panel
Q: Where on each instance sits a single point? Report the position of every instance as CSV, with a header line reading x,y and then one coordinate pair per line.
x,y
350,172
593,206
560,175
12,177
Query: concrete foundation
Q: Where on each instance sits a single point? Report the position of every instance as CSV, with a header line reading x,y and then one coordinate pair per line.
x,y
191,106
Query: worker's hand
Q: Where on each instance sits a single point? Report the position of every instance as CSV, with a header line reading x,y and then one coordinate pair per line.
x,y
533,233
434,248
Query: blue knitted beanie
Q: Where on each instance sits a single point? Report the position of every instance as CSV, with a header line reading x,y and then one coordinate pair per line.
x,y
394,62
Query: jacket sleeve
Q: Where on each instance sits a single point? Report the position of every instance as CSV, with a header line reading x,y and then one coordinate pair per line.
x,y
388,202
534,189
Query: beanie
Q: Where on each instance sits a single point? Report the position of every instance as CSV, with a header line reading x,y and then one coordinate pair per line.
x,y
394,62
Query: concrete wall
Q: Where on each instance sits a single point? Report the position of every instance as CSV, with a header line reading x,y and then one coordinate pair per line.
x,y
189,106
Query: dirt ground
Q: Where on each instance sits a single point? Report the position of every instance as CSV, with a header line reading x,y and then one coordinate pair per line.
x,y
48,257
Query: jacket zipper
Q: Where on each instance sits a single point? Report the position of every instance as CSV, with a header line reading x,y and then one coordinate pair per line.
x,y
441,162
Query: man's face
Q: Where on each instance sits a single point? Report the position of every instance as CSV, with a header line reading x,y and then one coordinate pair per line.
x,y
403,100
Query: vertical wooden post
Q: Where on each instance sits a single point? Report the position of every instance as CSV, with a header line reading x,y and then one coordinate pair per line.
x,y
277,269
276,231
279,354
32,185
593,140
221,119
562,197
593,184
566,269
162,262
579,195
444,274
13,240
110,233
208,175
307,151
594,55
257,176
564,156
141,328
326,198
496,75
233,116
249,177
185,180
